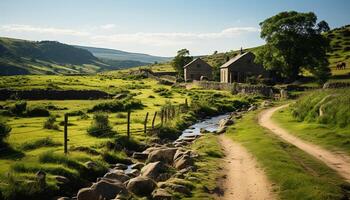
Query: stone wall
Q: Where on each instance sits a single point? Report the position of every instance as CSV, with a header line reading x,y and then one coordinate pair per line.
x,y
235,88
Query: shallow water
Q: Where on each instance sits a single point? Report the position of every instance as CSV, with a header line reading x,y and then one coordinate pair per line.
x,y
211,125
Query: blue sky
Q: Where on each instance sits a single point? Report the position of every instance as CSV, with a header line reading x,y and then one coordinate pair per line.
x,y
158,27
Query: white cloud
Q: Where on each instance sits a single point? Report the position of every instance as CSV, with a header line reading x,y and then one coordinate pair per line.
x,y
148,42
49,30
107,26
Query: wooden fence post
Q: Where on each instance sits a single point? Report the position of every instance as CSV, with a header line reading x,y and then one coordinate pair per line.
x,y
65,134
186,103
154,119
162,117
145,125
128,124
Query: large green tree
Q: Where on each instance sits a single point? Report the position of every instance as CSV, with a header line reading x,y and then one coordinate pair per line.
x,y
294,42
181,59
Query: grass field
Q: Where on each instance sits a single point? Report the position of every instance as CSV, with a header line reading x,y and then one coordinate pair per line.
x,y
295,174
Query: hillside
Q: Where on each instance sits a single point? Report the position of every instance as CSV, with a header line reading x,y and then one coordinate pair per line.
x,y
45,57
112,54
340,46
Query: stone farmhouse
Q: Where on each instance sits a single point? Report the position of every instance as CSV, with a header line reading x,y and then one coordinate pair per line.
x,y
197,70
240,68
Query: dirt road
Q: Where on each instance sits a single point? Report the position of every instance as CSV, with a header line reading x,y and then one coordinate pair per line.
x,y
335,160
244,180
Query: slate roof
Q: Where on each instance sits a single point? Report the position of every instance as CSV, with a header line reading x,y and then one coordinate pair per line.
x,y
234,59
192,62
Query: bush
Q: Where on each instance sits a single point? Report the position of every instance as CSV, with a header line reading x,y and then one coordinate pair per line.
x,y
4,131
19,108
163,92
50,123
117,106
45,142
100,126
37,111
115,157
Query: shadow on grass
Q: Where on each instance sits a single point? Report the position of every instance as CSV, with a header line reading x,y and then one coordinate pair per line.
x,y
9,153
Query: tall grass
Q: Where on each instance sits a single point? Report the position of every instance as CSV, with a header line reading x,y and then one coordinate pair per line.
x,y
331,106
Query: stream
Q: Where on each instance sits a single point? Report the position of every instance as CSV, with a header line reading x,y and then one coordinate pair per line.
x,y
211,124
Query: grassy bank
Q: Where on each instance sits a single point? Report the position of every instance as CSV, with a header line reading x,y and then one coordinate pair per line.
x,y
296,175
330,137
205,178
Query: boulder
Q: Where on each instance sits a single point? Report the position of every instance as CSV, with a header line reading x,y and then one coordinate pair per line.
x,y
63,198
133,173
225,122
150,149
87,194
166,155
178,154
140,156
154,170
117,176
108,190
183,162
120,166
180,189
142,186
161,194
137,166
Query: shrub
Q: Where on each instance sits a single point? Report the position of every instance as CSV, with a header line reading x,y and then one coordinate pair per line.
x,y
115,157
19,108
117,106
45,142
50,123
37,111
163,92
4,131
100,126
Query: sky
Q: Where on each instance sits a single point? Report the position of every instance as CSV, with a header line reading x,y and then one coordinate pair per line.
x,y
157,27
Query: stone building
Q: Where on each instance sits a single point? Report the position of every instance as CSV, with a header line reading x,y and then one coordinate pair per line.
x,y
240,68
197,69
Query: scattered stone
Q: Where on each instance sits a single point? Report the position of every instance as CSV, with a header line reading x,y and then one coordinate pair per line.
x,y
180,189
108,190
137,166
154,170
117,176
120,166
87,194
161,194
165,155
141,185
133,173
63,198
140,156
178,154
183,162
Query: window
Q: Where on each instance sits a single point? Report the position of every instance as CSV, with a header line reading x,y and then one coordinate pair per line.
x,y
198,65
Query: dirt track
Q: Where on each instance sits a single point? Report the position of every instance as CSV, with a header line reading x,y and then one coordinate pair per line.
x,y
335,160
244,180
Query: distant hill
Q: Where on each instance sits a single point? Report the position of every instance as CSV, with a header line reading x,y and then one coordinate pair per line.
x,y
45,57
112,54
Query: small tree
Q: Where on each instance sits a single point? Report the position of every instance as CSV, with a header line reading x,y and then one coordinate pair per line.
x,y
19,108
100,125
181,59
4,131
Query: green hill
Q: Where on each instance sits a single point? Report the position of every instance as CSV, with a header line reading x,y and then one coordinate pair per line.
x,y
340,46
112,54
45,57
